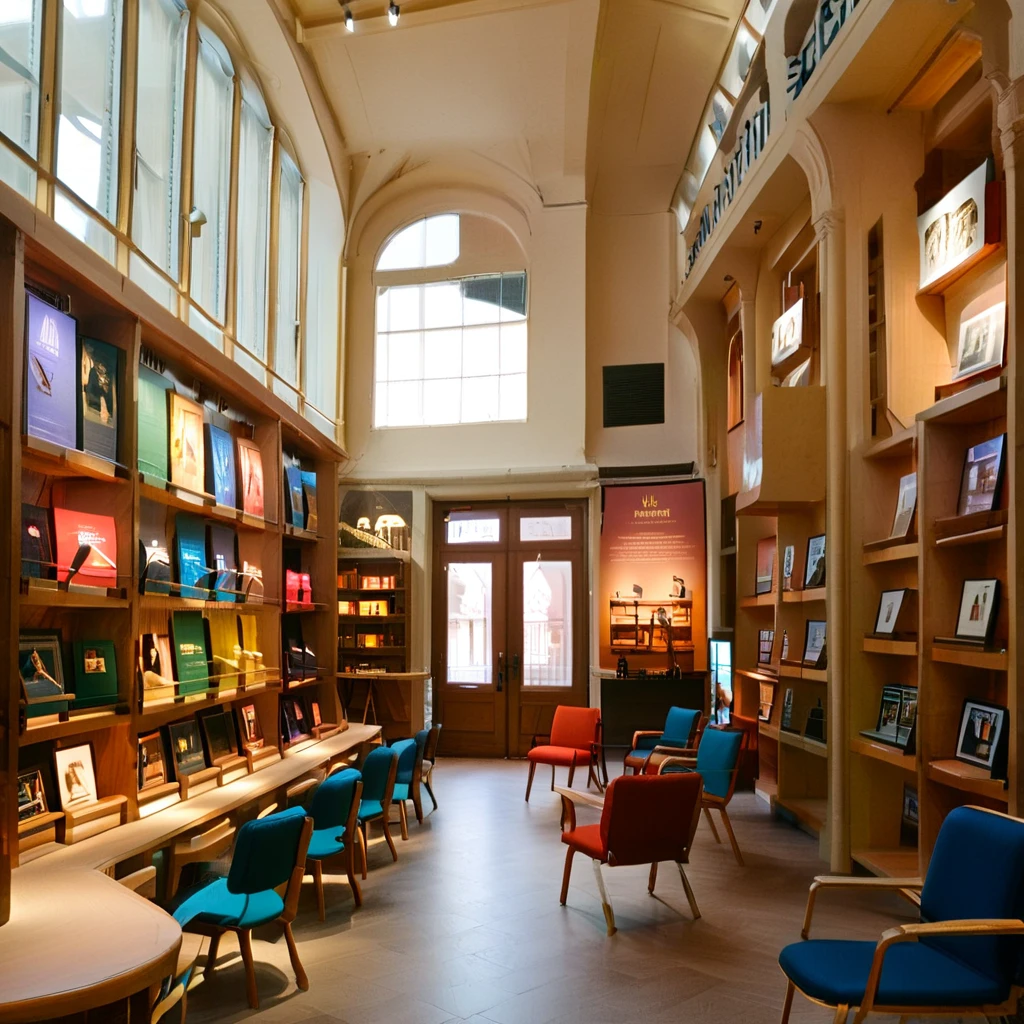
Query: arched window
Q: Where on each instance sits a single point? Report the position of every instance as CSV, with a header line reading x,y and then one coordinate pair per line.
x,y
735,397
450,349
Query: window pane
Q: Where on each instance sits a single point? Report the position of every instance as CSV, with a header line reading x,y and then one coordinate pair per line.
x,y
254,152
404,308
432,242
404,356
163,26
479,399
90,103
547,624
481,300
442,305
289,252
20,26
441,401
211,170
480,351
469,528
469,623
545,528
513,297
513,348
442,355
513,397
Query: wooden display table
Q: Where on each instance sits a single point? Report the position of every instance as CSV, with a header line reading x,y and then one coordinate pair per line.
x,y
77,939
395,700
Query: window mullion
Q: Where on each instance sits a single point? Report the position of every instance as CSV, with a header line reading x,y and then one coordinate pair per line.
x,y
49,94
301,341
187,153
231,295
273,241
126,135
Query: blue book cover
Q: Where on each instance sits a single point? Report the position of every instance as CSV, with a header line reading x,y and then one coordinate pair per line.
x,y
50,365
190,551
293,496
308,477
220,465
223,559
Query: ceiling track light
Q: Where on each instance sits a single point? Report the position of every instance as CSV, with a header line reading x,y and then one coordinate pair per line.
x,y
350,23
394,12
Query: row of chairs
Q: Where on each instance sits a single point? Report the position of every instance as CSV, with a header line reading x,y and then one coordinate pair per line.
x,y
329,821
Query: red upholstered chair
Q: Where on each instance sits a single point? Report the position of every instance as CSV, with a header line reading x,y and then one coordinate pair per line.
x,y
575,739
646,819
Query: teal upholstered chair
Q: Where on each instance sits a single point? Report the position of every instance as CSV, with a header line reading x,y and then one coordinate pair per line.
x,y
422,739
269,853
407,778
679,737
379,770
717,762
430,760
334,809
965,955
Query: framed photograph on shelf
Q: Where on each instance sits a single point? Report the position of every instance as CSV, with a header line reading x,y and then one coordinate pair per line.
x,y
188,456
788,333
786,724
953,230
976,620
765,578
897,718
152,769
219,735
788,558
896,608
982,340
295,721
814,643
767,701
906,505
983,736
31,795
99,381
814,567
910,818
76,776
251,732
250,477
765,639
981,482
186,747
41,666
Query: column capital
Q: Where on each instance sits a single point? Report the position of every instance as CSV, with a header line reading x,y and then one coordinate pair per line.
x,y
1009,109
828,223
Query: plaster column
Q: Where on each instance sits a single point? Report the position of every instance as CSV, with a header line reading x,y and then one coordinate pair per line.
x,y
830,230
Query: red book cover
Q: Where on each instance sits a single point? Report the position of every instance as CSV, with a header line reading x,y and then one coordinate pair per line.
x,y
307,590
291,586
74,530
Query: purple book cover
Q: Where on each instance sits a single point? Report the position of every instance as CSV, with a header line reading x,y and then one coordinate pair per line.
x,y
49,373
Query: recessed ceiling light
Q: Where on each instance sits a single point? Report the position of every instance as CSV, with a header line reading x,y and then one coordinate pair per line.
x,y
394,11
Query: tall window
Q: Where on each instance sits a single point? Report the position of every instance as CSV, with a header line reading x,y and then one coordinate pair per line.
x,y
448,351
90,117
20,28
163,26
735,403
289,249
211,176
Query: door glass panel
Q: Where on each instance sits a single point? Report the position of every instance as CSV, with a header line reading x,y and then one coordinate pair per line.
x,y
464,530
547,624
470,593
545,528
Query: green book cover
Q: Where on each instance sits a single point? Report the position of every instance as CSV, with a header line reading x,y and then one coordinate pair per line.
x,y
188,645
153,429
95,663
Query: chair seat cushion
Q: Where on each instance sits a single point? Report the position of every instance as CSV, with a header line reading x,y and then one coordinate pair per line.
x,y
558,755
913,974
370,809
636,758
400,793
325,842
214,904
587,839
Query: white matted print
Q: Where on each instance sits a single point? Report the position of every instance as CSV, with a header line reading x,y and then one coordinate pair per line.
x,y
76,777
982,339
953,230
977,606
905,505
889,611
788,333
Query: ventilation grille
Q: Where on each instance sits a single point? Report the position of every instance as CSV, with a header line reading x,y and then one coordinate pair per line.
x,y
634,394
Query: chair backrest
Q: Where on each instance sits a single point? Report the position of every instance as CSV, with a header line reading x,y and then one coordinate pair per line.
x,y
650,818
332,802
406,751
575,727
717,758
680,724
266,851
977,871
421,743
376,770
430,753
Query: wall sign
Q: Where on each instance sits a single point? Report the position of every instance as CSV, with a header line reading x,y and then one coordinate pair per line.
x,y
829,18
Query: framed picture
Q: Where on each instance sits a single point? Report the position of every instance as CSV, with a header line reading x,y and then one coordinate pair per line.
x,y
767,701
983,735
814,567
95,664
186,747
977,618
98,384
250,477
76,777
787,711
906,504
814,643
251,732
765,565
219,735
317,721
788,333
765,639
982,479
152,770
982,339
889,605
910,818
41,665
787,567
295,722
31,795
188,459
953,230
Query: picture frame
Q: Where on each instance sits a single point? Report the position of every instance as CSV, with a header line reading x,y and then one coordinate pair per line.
x,y
41,666
910,817
251,733
814,642
186,747
765,570
788,558
767,700
250,477
981,482
295,720
979,602
906,506
765,642
95,673
36,544
788,333
983,735
981,342
31,795
786,724
896,724
98,397
220,737
152,762
188,453
51,360
76,776
814,567
894,608
953,230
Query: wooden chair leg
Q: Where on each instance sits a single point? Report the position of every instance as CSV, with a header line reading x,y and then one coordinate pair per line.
x,y
569,853
404,821
318,881
711,822
417,804
353,881
362,845
293,954
211,956
387,836
841,1014
609,914
552,778
433,799
245,945
529,784
653,878
787,1006
572,772
690,898
732,837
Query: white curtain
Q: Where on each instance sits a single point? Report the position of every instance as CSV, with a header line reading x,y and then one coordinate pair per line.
x,y
289,248
20,26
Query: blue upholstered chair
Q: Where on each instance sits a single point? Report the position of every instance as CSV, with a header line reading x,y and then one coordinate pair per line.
x,y
407,778
717,761
334,810
965,955
379,771
430,760
682,728
269,853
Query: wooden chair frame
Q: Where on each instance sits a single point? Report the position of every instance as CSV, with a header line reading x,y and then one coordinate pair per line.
x,y
597,760
690,751
363,825
207,846
430,757
908,888
348,837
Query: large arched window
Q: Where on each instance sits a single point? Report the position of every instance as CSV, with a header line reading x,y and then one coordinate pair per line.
x,y
735,402
451,340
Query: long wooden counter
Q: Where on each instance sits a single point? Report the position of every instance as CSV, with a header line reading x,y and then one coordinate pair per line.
x,y
77,939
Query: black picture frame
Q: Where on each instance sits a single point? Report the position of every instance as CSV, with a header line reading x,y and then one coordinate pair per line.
x,y
186,745
909,817
815,565
152,753
973,498
973,598
813,656
220,737
31,795
888,614
765,642
296,721
983,736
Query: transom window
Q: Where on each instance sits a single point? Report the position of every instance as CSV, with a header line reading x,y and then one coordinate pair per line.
x,y
450,351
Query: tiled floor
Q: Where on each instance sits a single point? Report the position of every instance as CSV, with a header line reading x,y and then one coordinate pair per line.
x,y
467,926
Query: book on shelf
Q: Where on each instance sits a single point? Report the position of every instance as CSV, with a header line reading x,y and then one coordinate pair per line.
x,y
251,583
222,544
86,548
309,495
190,553
153,433
220,465
95,673
156,669
250,477
189,648
294,497
50,372
226,652
188,451
36,547
99,383
41,672
154,559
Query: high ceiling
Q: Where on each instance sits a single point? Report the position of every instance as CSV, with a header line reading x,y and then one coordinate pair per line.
x,y
581,99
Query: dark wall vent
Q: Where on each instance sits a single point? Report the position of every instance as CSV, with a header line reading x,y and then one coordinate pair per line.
x,y
634,394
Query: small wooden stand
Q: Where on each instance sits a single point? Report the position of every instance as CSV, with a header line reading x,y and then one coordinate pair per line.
x,y
231,768
326,729
261,758
199,782
38,831
156,798
92,819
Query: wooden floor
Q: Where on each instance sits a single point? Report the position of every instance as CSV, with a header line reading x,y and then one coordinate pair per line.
x,y
467,925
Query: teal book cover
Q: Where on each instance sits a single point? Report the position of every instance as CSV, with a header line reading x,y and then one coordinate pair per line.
x,y
190,555
220,465
293,496
153,423
188,647
223,560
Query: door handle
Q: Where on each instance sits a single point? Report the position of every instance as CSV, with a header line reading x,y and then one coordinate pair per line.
x,y
515,665
501,661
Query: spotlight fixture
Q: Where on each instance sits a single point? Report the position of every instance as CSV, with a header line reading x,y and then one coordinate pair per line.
x,y
394,11
350,24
